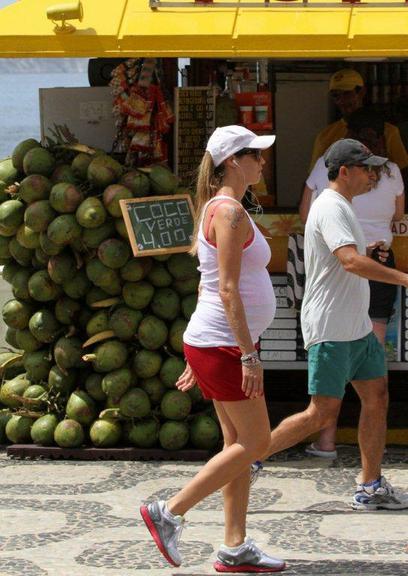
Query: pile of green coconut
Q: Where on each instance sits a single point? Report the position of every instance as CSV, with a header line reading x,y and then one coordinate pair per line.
x,y
94,334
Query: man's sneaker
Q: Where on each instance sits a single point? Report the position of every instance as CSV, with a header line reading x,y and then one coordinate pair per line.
x,y
165,528
247,558
378,495
256,468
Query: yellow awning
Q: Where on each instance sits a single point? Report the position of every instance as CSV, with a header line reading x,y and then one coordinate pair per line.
x,y
126,28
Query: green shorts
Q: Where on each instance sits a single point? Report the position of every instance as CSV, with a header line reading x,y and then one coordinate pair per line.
x,y
331,365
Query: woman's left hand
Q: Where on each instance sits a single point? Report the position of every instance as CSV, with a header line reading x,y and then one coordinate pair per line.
x,y
187,380
252,381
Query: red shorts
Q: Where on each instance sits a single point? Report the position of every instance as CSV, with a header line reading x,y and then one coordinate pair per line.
x,y
218,371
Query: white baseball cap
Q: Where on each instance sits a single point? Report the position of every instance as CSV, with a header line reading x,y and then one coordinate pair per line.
x,y
227,140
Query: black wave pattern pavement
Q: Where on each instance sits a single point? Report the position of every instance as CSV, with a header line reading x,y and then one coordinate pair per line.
x,y
295,271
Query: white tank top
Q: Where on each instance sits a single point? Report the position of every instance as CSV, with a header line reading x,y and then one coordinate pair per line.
x,y
208,325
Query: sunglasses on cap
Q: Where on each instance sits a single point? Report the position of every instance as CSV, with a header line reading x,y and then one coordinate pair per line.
x,y
256,152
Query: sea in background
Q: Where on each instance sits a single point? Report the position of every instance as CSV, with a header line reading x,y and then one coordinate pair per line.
x,y
20,81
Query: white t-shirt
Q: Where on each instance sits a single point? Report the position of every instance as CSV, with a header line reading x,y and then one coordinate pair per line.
x,y
335,304
373,209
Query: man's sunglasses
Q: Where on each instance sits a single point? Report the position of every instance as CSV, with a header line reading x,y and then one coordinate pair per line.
x,y
256,152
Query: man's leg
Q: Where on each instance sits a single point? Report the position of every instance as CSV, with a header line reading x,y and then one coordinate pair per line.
x,y
372,426
321,412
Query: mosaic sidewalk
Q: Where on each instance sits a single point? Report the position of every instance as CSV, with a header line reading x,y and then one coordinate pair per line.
x,y
81,518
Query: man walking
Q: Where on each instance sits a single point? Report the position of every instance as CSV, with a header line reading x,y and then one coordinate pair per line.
x,y
336,327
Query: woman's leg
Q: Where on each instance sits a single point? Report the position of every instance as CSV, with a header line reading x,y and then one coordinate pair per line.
x,y
236,492
252,441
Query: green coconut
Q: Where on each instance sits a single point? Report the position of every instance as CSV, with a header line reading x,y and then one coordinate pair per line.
x,y
135,403
93,385
105,433
137,295
27,237
69,434
154,388
65,197
63,173
39,215
136,269
111,197
188,305
186,286
8,173
37,364
18,429
115,383
5,253
19,284
120,227
68,353
37,393
204,433
81,407
43,429
20,254
48,246
12,390
38,161
137,182
80,165
162,181
159,276
40,257
196,395
182,266
103,171
16,314
10,337
60,381
21,150
9,271
152,332
177,330
11,217
93,237
42,288
165,303
124,322
26,341
104,277
61,267
64,230
33,188
91,213
98,322
77,286
175,405
146,363
174,435
67,310
44,326
108,356
144,434
5,416
170,371
96,294
114,253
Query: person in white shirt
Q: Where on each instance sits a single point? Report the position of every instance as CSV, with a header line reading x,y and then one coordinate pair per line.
x,y
337,330
375,210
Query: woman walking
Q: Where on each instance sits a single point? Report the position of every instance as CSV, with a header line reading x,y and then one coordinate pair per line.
x,y
236,304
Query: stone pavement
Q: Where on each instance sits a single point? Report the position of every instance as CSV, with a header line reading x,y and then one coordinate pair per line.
x,y
81,518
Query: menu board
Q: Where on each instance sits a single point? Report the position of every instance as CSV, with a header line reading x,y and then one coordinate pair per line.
x,y
195,122
159,224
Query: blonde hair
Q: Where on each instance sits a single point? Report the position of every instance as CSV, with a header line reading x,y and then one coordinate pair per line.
x,y
208,182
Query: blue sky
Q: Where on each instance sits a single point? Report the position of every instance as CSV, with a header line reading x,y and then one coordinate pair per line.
x,y
6,2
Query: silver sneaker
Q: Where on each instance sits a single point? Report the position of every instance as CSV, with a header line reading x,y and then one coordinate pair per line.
x,y
379,496
165,529
256,468
248,558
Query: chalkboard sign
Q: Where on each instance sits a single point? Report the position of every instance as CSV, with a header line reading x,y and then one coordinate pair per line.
x,y
159,224
195,122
